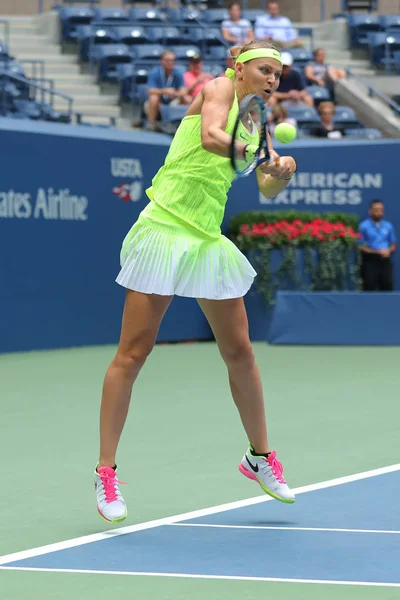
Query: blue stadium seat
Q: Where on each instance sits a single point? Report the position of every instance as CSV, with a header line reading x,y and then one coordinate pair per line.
x,y
345,113
214,69
140,71
133,78
147,15
219,53
206,38
147,51
390,22
108,57
14,115
71,18
252,14
28,108
114,15
396,58
8,89
185,52
3,50
319,93
346,117
131,34
172,114
359,28
88,36
215,15
301,57
305,117
12,67
382,48
364,133
166,35
349,5
185,15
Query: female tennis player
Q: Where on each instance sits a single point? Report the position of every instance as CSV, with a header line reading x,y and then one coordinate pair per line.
x,y
176,247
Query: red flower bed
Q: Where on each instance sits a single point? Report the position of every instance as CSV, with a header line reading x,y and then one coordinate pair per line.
x,y
315,232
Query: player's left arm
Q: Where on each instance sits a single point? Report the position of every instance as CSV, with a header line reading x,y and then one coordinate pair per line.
x,y
273,177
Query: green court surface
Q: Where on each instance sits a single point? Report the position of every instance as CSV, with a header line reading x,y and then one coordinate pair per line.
x,y
331,412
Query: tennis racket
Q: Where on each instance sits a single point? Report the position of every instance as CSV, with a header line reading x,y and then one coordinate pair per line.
x,y
250,128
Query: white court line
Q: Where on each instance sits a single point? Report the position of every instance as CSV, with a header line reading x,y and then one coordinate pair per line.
x,y
390,531
96,537
195,576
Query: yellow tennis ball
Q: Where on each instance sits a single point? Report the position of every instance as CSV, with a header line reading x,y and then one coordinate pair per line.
x,y
285,133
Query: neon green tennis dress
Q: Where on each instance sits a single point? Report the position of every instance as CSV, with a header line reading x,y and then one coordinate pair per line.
x,y
176,246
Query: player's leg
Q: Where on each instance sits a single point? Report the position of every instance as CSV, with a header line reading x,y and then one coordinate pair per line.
x,y
140,323
228,320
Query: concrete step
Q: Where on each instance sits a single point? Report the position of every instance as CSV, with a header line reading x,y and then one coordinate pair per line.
x,y
328,44
90,109
389,85
77,88
105,120
83,98
52,59
352,64
124,124
363,72
334,54
70,80
16,25
36,49
65,69
22,19
16,34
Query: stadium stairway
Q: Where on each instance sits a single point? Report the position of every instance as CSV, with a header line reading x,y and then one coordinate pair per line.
x,y
35,38
333,37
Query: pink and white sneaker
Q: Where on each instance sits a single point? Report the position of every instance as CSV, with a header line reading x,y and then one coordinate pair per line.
x,y
268,472
110,503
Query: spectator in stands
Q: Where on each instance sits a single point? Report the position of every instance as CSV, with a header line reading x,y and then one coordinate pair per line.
x,y
327,128
165,85
377,244
195,78
279,115
274,27
291,91
237,30
318,72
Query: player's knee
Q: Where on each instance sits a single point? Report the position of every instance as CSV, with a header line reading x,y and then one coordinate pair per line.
x,y
240,352
133,357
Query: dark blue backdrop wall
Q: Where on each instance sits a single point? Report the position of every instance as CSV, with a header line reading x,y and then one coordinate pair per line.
x,y
68,196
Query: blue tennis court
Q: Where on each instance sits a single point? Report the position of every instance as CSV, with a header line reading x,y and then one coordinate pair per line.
x,y
344,531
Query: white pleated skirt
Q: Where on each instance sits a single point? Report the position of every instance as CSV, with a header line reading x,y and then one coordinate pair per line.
x,y
162,255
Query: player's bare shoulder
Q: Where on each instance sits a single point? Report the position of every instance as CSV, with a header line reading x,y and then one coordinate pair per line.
x,y
222,87
217,91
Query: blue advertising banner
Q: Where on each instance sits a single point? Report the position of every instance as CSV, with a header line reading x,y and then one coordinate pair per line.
x,y
68,196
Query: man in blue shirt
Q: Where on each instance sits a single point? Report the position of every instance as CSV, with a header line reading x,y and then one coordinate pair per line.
x,y
377,244
292,87
274,27
164,85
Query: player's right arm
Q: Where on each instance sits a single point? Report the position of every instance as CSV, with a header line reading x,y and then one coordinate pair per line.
x,y
218,98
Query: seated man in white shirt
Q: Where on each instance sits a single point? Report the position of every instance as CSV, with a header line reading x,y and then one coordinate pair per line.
x,y
273,27
235,30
